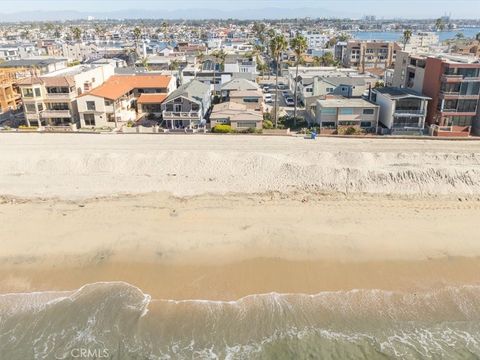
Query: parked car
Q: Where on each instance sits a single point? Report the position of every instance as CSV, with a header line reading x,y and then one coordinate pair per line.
x,y
285,93
289,101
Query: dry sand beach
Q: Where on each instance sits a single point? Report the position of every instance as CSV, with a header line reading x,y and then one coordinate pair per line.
x,y
224,218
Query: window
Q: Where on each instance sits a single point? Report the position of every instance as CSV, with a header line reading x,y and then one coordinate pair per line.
x,y
57,106
89,119
467,106
111,117
329,90
365,124
178,100
346,111
27,92
30,108
347,123
246,124
195,107
461,120
91,105
40,107
37,92
328,124
368,111
250,100
108,103
329,111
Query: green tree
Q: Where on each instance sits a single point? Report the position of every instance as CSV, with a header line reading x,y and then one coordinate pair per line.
x,y
407,35
219,56
299,45
278,45
137,34
76,33
439,24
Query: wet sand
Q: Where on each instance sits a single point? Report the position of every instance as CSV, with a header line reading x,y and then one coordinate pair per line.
x,y
224,247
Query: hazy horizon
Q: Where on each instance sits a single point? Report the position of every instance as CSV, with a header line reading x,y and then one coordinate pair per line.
x,y
248,9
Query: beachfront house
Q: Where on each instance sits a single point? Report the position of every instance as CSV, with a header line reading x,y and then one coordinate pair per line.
x,y
187,106
402,111
237,115
124,98
335,114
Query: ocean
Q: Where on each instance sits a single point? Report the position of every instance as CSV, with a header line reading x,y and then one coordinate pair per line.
x,y
118,321
395,36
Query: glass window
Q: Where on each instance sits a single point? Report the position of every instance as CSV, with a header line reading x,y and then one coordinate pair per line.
x,y
40,107
37,92
328,124
365,124
27,92
31,108
346,111
91,105
89,119
368,111
329,111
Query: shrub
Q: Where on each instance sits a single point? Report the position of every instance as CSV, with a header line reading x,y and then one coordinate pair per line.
x,y
267,124
223,129
130,124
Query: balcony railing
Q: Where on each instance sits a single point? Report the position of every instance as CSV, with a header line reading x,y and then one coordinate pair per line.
x,y
181,114
59,95
409,112
56,113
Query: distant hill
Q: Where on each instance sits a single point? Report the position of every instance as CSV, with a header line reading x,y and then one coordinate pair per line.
x,y
191,14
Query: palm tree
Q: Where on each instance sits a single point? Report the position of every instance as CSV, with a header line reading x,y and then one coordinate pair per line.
x,y
164,29
278,44
299,45
439,25
407,35
76,33
101,31
145,63
219,56
137,33
174,65
459,35
57,33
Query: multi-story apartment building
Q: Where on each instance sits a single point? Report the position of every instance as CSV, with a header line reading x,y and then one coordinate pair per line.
x,y
124,98
402,111
364,55
334,113
315,40
9,96
421,41
51,99
36,66
453,83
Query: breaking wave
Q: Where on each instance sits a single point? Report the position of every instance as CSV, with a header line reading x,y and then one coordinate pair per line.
x,y
118,321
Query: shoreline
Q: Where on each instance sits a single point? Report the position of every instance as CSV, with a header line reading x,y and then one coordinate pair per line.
x,y
223,247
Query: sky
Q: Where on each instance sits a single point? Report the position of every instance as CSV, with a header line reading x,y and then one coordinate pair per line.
x,y
379,8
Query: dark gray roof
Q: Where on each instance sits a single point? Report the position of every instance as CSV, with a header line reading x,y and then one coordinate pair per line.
x,y
240,84
400,93
344,80
193,90
30,62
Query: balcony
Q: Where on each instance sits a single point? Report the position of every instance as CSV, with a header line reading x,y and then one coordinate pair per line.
x,y
59,96
457,78
452,95
55,114
409,112
180,115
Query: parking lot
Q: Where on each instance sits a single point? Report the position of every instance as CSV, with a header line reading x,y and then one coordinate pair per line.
x,y
283,94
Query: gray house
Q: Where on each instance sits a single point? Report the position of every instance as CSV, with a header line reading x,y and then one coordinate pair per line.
x,y
187,106
402,111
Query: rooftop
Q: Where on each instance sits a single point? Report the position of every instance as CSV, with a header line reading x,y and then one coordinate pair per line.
x,y
345,102
31,62
119,85
400,93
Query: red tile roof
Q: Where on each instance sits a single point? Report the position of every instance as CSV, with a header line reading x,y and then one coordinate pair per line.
x,y
119,85
151,98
